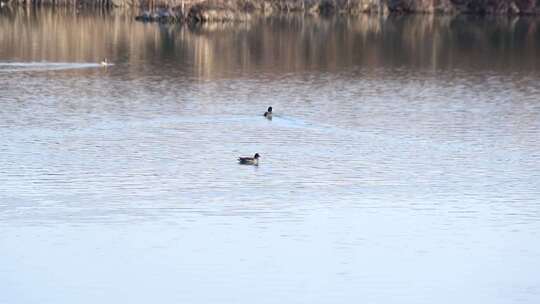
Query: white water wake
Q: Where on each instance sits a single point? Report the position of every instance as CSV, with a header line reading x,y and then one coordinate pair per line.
x,y
8,67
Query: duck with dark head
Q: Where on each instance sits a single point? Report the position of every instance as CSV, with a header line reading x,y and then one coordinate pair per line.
x,y
268,113
249,160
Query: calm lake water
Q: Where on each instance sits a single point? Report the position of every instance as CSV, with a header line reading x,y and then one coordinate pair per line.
x,y
402,164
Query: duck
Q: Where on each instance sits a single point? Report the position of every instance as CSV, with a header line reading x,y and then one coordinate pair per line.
x,y
249,160
105,62
268,113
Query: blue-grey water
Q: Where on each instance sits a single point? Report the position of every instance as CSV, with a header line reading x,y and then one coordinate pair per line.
x,y
402,164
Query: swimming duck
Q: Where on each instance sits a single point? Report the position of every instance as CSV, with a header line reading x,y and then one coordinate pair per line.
x,y
249,160
105,62
268,113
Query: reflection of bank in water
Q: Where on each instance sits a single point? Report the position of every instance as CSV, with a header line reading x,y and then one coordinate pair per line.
x,y
290,43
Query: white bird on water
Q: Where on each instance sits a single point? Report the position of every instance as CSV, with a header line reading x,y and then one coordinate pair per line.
x,y
105,62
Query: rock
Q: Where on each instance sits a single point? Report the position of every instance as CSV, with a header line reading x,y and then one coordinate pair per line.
x,y
327,7
204,12
514,8
161,15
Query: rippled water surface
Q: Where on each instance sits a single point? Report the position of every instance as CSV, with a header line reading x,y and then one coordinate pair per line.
x,y
401,165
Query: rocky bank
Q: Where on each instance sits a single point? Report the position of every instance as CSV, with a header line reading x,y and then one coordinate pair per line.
x,y
227,10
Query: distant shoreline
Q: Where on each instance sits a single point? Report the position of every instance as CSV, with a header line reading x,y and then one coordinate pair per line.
x,y
193,11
